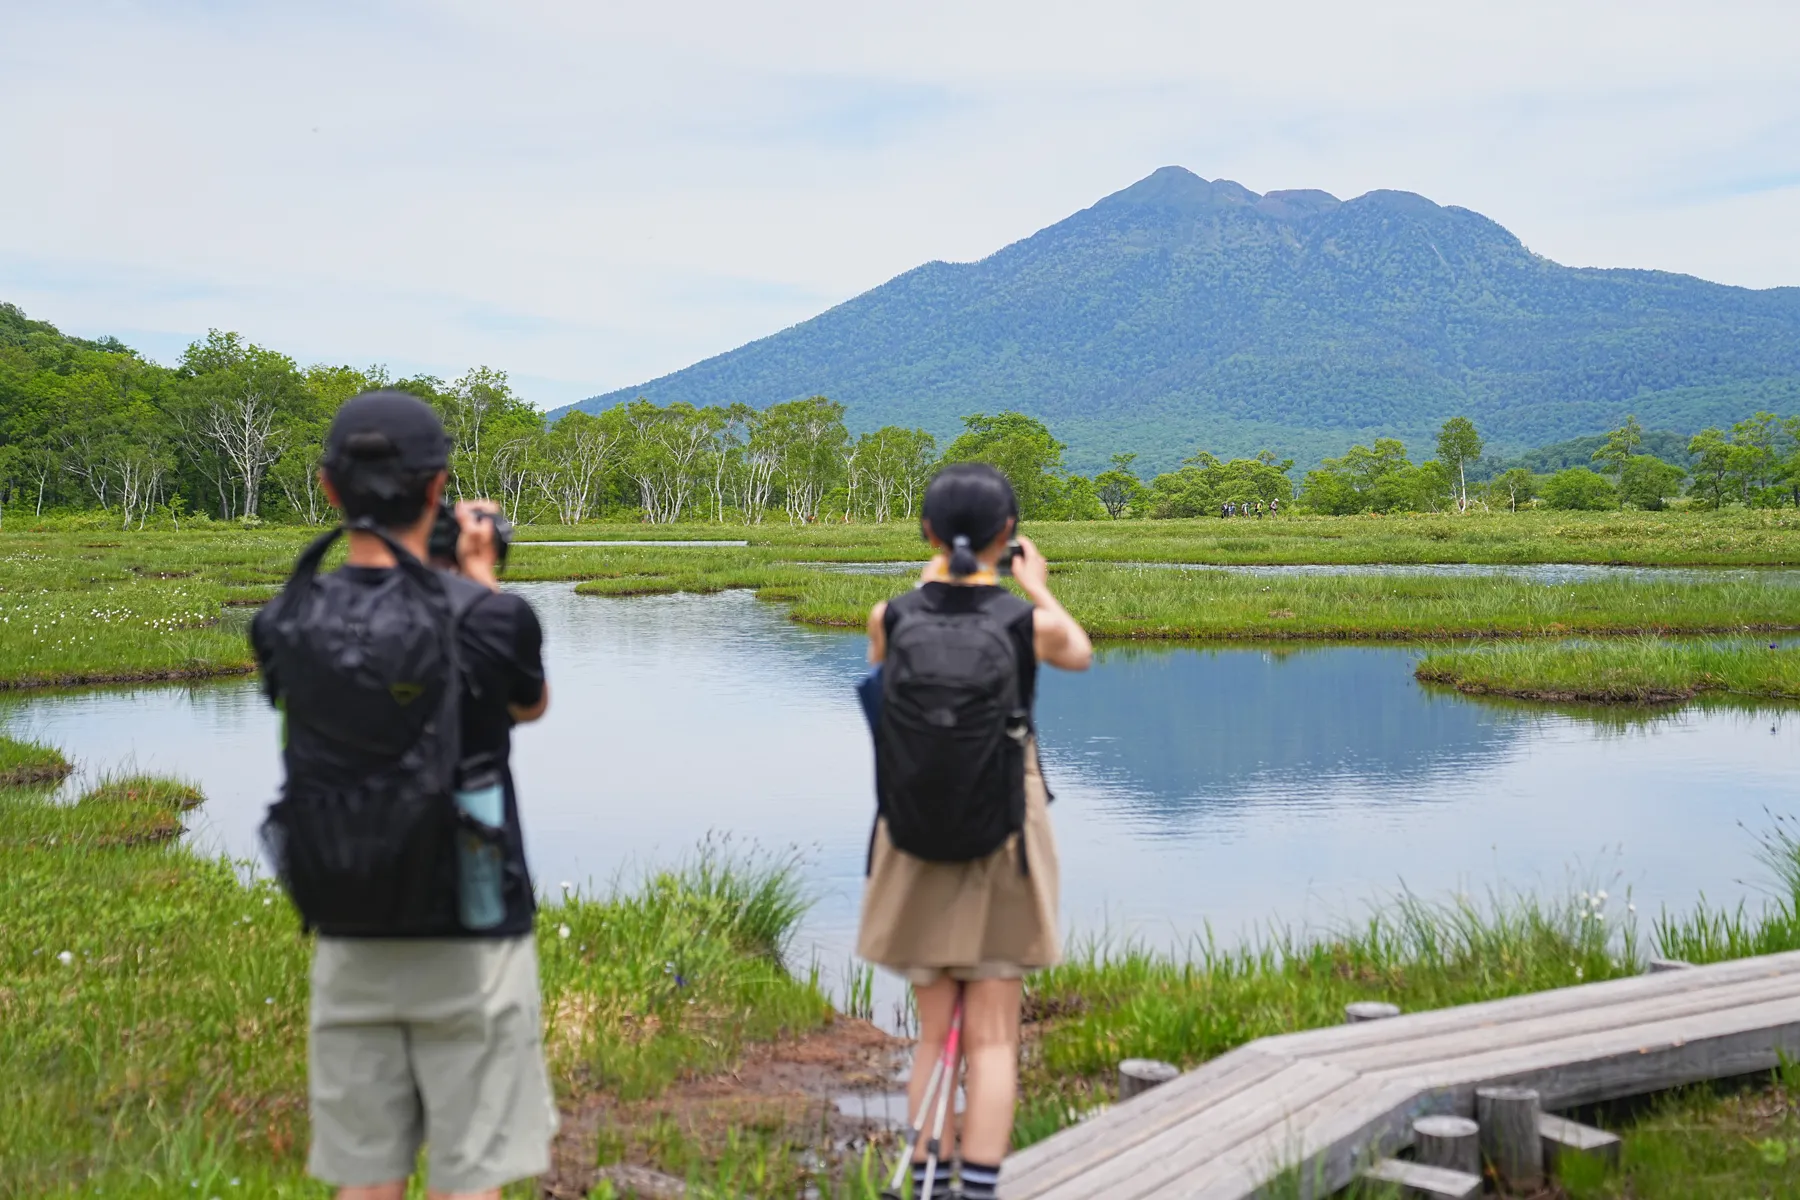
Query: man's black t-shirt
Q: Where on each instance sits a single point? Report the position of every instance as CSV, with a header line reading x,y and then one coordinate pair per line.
x,y
501,645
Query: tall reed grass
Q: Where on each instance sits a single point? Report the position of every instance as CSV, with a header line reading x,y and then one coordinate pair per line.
x,y
1713,934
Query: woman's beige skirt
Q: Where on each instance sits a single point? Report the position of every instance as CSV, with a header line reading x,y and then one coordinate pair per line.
x,y
986,919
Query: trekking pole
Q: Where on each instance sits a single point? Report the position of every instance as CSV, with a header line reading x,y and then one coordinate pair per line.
x,y
913,1131
951,1063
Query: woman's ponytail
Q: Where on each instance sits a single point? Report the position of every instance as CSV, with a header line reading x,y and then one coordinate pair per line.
x,y
967,506
962,557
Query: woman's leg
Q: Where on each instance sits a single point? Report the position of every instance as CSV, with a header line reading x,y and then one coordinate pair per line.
x,y
933,1003
991,1046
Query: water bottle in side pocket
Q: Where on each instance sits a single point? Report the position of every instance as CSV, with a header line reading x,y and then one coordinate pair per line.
x,y
481,827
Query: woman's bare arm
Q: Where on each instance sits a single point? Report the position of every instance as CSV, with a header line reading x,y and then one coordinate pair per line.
x,y
1058,638
877,633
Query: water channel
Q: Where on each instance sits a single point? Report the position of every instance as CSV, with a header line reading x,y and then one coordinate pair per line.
x,y
1196,788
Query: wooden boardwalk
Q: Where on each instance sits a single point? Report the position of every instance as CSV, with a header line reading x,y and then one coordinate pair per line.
x,y
1325,1103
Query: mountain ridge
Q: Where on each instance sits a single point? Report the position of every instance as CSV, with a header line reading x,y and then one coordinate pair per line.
x,y
1181,311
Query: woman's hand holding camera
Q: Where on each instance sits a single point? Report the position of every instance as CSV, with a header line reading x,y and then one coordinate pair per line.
x,y
1030,568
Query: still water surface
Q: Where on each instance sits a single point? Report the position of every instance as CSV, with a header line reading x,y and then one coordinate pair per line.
x,y
1226,787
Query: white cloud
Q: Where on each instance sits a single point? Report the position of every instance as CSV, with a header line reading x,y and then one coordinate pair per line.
x,y
593,195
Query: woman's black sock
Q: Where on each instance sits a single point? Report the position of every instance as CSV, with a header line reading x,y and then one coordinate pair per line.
x,y
979,1180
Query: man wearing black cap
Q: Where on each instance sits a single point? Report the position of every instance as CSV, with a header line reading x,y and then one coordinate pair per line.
x,y
424,1040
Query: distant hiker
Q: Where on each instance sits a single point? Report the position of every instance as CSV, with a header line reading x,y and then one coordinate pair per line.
x,y
961,895
1225,509
397,832
1274,506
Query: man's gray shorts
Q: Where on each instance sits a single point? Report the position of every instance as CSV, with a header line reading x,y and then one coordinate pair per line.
x,y
433,1042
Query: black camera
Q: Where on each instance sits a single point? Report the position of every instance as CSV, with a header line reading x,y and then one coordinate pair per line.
x,y
446,530
1005,565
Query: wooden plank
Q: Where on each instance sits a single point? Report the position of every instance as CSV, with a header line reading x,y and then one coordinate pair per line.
x,y
1417,1181
1321,1150
1116,1130
1562,1138
1331,1100
1151,1164
1639,1013
1240,1171
1426,1043
1332,1039
1606,1065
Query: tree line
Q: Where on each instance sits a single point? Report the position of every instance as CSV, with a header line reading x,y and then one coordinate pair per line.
x,y
234,432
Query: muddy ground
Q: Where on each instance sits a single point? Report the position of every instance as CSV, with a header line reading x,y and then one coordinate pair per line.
x,y
787,1092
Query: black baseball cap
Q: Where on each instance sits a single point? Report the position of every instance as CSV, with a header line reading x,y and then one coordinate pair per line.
x,y
387,431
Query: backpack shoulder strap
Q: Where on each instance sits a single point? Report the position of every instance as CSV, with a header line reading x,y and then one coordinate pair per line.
x,y
306,569
898,607
1003,607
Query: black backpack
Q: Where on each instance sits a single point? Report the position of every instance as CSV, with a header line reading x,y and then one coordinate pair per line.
x,y
363,835
950,740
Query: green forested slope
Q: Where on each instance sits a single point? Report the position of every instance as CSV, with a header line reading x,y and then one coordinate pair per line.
x,y
1181,312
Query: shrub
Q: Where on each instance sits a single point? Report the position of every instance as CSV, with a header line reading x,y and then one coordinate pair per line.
x,y
1646,481
1579,488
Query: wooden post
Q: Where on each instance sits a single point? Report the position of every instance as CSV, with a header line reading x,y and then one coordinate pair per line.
x,y
1139,1075
1369,1010
1509,1136
1453,1142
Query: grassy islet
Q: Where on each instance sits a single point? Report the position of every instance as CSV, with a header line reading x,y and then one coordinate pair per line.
x,y
1646,670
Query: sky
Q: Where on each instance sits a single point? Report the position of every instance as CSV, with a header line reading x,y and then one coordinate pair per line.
x,y
590,195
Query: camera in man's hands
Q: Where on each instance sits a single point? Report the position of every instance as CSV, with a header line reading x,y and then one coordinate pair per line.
x,y
446,531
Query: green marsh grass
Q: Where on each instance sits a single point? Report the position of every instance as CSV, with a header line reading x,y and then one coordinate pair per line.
x,y
1163,603
153,1001
1636,670
1702,1142
87,606
23,763
1734,537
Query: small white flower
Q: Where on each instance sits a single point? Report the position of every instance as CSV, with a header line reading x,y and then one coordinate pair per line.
x,y
1599,916
267,901
268,999
65,958
1578,972
562,931
1602,895
1631,908
567,886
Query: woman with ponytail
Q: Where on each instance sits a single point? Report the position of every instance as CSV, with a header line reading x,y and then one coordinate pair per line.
x,y
961,896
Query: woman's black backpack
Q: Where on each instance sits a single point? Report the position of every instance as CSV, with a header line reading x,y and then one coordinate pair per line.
x,y
955,719
369,683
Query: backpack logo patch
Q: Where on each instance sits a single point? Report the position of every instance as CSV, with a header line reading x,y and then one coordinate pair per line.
x,y
405,693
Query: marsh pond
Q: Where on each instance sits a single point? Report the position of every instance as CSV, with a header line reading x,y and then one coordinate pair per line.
x,y
1196,787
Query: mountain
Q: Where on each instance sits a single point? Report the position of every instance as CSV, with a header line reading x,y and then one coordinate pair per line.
x,y
1184,312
